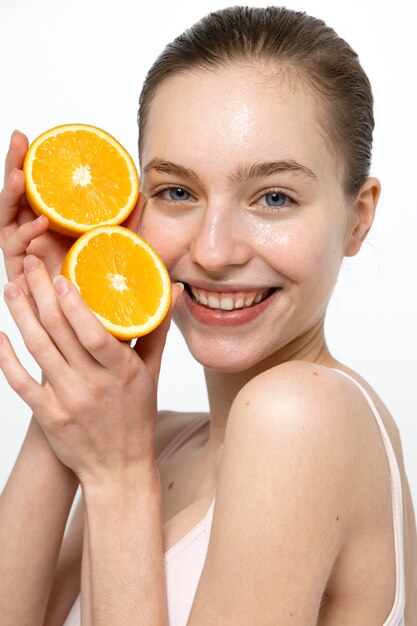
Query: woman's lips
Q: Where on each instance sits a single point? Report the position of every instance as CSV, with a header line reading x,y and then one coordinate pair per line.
x,y
228,317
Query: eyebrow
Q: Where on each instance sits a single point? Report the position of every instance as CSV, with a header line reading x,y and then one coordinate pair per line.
x,y
245,172
167,167
242,172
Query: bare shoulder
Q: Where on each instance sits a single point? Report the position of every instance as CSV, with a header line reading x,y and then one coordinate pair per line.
x,y
313,418
303,398
168,425
324,401
285,503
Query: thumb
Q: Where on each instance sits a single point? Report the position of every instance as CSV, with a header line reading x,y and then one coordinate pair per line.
x,y
150,347
11,196
16,153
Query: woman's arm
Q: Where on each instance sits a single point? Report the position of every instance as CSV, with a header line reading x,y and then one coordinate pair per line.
x,y
34,508
125,550
37,498
286,498
97,409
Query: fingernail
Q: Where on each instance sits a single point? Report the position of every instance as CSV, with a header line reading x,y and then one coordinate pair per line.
x,y
61,285
16,130
30,263
13,134
41,218
181,287
12,172
11,291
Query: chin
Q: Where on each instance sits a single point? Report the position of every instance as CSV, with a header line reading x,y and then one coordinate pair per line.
x,y
227,355
219,365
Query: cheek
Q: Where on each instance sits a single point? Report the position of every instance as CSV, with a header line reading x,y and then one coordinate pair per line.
x,y
324,262
307,255
160,236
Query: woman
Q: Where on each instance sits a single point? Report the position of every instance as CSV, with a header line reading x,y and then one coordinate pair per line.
x,y
255,133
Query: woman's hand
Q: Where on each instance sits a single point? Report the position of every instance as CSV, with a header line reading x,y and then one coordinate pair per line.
x,y
21,233
98,405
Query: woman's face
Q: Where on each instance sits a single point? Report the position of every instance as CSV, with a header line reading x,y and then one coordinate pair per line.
x,y
245,207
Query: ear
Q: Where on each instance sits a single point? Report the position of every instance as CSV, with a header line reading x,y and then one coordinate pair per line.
x,y
364,208
132,220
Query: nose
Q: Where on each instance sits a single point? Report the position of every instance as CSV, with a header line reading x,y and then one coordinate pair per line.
x,y
219,239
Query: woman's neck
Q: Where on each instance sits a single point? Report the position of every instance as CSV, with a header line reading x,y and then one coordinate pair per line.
x,y
223,387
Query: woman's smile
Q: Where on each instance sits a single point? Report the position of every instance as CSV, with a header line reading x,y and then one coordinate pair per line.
x,y
227,308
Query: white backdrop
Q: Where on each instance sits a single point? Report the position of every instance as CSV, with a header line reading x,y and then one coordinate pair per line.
x,y
84,61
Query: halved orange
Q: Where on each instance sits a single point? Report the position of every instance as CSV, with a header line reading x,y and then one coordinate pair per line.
x,y
80,177
121,278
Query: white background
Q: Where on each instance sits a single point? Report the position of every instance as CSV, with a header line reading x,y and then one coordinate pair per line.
x,y
85,60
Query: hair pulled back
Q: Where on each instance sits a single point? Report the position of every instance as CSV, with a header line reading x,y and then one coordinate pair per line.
x,y
291,40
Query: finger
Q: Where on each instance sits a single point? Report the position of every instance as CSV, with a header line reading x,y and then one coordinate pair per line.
x,y
11,196
132,221
16,154
36,339
18,378
98,342
17,244
150,347
51,315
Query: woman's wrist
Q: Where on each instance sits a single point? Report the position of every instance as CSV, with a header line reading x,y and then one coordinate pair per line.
x,y
115,497
36,453
121,483
36,437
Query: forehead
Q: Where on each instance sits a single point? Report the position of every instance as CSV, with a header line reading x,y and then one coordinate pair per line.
x,y
219,117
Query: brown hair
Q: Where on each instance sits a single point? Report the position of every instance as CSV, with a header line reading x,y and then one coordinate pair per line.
x,y
293,40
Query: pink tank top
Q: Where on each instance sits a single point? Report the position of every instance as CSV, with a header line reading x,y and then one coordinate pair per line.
x,y
184,561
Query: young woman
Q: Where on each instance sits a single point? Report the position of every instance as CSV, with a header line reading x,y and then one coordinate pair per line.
x,y
288,503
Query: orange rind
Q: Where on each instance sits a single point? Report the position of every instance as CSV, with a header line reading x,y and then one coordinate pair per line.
x,y
121,278
80,177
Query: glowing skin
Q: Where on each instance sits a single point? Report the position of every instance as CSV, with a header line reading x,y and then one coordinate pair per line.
x,y
219,233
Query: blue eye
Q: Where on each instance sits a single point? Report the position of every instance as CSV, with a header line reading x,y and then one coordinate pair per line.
x,y
176,194
276,199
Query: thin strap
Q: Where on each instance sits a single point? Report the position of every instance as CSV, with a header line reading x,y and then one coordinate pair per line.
x,y
208,520
182,436
397,610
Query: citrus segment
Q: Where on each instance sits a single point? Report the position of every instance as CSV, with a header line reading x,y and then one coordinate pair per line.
x,y
79,176
121,278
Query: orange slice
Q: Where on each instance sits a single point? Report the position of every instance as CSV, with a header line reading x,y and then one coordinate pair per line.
x,y
121,278
80,177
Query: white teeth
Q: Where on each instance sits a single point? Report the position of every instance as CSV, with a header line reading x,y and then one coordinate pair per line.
x,y
227,304
213,302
